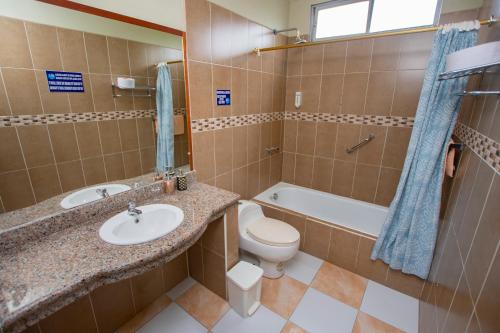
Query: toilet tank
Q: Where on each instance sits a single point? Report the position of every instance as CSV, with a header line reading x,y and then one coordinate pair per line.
x,y
248,211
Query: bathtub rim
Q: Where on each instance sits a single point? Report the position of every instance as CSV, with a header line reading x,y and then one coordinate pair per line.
x,y
281,185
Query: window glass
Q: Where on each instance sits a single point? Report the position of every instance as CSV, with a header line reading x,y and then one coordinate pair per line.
x,y
400,14
348,19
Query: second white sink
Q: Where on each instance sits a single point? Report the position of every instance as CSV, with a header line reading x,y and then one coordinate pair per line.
x,y
90,194
156,221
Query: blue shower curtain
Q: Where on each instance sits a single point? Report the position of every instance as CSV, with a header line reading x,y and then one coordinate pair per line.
x,y
165,109
408,236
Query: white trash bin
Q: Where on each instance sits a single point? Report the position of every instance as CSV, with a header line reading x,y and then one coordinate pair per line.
x,y
244,286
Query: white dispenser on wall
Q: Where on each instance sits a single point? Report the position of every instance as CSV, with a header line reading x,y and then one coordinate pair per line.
x,y
298,99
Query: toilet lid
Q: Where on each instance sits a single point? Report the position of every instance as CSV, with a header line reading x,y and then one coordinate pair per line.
x,y
273,232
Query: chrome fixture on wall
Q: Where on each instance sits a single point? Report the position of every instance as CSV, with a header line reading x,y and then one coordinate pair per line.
x,y
370,137
271,150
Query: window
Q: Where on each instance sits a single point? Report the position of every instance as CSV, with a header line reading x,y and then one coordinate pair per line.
x,y
351,17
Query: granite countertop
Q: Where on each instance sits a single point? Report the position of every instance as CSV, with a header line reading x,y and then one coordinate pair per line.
x,y
40,276
52,205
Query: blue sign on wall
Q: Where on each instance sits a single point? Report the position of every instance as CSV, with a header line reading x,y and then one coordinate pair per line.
x,y
223,97
65,81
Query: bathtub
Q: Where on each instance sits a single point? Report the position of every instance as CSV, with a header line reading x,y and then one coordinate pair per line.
x,y
360,216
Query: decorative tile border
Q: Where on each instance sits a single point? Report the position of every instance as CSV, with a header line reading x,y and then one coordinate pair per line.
x,y
486,148
393,121
59,118
212,124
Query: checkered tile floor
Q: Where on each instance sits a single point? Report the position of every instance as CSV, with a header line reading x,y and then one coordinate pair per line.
x,y
313,296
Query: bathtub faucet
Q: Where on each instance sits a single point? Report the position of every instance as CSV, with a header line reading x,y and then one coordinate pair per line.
x,y
274,196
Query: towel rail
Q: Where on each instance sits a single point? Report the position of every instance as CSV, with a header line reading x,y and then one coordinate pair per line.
x,y
370,137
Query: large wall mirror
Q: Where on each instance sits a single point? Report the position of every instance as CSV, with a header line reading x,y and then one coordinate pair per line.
x,y
78,107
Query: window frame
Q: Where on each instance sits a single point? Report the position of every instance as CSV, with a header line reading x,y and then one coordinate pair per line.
x,y
315,8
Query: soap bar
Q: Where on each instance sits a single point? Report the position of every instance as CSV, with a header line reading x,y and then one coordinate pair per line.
x,y
125,83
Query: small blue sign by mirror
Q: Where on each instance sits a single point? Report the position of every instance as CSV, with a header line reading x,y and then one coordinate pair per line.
x,y
65,81
223,97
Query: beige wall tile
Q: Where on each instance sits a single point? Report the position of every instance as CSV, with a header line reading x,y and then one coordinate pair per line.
x,y
253,179
102,94
253,142
175,271
89,142
343,249
63,138
72,48
10,150
26,100
268,40
214,273
44,46
322,174
82,102
290,136
36,145
317,239
132,163
220,29
380,92
388,183
407,94
343,177
385,53
266,103
240,147
15,50
15,190
118,56
146,134
4,103
45,182
203,155
372,152
109,318
310,87
254,40
200,90
239,41
147,287
76,317
195,261
223,150
326,136
264,173
365,182
405,283
331,93
239,91
415,50
198,36
94,171
240,182
128,134
298,222
358,55
97,53
395,147
306,137
276,169
114,166
288,173
148,159
312,59
354,92
71,175
213,237
254,91
303,170
110,136
335,58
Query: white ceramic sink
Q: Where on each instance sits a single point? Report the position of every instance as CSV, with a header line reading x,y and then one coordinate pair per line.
x,y
90,194
156,221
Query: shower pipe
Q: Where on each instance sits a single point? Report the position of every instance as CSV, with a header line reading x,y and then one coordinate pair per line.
x,y
489,22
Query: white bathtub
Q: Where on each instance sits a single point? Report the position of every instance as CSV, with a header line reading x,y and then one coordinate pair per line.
x,y
353,214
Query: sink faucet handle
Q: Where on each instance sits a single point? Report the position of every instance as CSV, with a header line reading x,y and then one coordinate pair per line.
x,y
131,205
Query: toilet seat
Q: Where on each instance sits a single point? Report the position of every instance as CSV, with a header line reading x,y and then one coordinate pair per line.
x,y
273,232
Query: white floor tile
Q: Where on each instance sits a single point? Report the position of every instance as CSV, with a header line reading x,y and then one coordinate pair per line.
x,y
391,306
303,267
172,320
319,313
262,321
179,289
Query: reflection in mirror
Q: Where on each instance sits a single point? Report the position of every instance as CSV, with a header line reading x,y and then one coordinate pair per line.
x,y
78,110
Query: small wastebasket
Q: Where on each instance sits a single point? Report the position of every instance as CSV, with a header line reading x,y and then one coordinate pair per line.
x,y
244,286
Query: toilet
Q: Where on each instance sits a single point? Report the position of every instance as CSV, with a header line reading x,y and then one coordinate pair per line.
x,y
272,241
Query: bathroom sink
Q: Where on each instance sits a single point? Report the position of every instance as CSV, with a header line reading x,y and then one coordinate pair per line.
x,y
90,194
155,221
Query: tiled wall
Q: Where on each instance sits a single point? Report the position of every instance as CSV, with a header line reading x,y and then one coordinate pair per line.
x,y
210,259
109,307
228,150
462,294
349,90
56,142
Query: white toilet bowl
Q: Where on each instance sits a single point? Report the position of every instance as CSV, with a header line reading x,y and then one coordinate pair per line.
x,y
274,242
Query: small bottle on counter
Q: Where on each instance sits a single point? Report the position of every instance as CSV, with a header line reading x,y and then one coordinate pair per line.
x,y
169,182
181,181
157,175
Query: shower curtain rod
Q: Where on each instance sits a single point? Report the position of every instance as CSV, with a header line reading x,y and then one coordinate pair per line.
x,y
258,51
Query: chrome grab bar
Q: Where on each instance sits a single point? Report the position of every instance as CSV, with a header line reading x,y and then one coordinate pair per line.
x,y
370,137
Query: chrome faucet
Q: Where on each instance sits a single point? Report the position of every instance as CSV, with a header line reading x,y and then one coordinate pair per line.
x,y
274,196
134,212
102,192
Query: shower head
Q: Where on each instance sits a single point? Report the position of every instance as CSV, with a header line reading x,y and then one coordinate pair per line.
x,y
299,39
